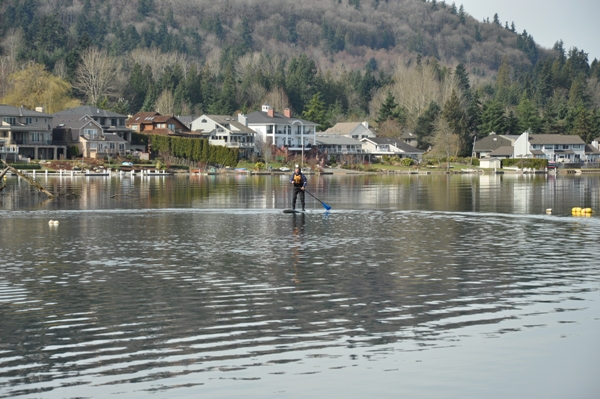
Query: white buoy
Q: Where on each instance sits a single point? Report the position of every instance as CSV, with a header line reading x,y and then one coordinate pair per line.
x,y
549,211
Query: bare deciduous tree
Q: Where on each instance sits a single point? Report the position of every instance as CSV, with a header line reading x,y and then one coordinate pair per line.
x,y
96,76
165,103
278,99
445,143
263,146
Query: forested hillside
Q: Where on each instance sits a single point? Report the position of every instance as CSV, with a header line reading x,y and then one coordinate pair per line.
x,y
425,66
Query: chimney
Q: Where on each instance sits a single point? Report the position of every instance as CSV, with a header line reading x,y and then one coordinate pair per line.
x,y
243,119
287,113
271,112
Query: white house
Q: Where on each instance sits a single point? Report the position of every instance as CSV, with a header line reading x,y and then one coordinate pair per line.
x,y
553,147
282,130
381,146
228,131
336,146
355,130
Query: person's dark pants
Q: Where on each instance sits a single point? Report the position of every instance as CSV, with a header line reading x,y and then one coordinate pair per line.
x,y
298,190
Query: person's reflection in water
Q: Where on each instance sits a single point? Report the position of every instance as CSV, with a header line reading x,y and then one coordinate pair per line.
x,y
297,234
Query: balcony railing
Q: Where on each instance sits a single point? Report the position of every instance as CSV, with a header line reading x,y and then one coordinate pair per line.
x,y
9,150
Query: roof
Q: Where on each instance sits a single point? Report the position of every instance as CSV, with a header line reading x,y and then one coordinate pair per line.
x,y
502,151
334,139
591,149
142,117
72,122
555,139
186,119
398,143
491,143
408,135
114,137
90,111
537,152
344,127
225,120
9,110
262,118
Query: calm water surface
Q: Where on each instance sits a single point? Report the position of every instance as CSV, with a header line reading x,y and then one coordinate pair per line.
x,y
412,286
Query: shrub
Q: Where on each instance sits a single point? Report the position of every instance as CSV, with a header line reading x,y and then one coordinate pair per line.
x,y
407,161
259,166
535,163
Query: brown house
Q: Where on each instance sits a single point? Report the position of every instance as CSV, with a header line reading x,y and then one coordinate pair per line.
x,y
155,123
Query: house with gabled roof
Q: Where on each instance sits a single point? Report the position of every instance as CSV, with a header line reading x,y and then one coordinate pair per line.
x,y
382,146
88,136
554,147
111,122
27,134
282,130
228,131
355,130
483,148
155,123
336,146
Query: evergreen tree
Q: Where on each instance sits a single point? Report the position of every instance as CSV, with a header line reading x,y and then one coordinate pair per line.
x,y
583,124
426,125
300,81
512,124
528,116
315,112
455,116
492,118
503,81
388,109
462,76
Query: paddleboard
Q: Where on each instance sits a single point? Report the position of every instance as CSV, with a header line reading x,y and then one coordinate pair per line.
x,y
291,211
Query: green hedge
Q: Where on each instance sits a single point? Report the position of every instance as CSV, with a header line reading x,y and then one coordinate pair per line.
x,y
25,166
535,163
197,150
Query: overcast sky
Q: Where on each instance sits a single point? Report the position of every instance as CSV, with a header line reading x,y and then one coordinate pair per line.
x,y
576,22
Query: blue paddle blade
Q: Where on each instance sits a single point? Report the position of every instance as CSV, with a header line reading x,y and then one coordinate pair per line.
x,y
327,207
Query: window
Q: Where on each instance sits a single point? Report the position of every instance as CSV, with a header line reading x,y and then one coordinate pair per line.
x,y
565,147
28,121
10,120
93,133
548,146
113,122
172,126
93,145
134,127
270,129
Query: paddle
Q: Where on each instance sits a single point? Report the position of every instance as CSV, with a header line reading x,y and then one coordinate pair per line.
x,y
327,207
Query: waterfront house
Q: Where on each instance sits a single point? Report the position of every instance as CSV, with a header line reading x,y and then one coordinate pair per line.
x,y
282,130
111,122
410,138
383,146
153,123
27,134
553,147
337,147
355,130
483,148
228,131
88,136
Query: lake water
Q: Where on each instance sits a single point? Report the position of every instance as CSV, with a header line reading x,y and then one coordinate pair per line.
x,y
411,286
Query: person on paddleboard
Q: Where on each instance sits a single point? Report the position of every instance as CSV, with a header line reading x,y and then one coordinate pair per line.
x,y
299,181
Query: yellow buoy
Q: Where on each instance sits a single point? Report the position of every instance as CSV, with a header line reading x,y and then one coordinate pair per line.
x,y
587,210
576,210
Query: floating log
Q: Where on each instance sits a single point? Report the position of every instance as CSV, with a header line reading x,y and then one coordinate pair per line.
x,y
29,180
